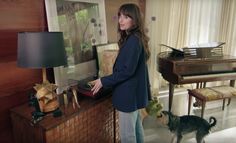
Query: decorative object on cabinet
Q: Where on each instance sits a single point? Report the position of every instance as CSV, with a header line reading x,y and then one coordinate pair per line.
x,y
42,50
83,23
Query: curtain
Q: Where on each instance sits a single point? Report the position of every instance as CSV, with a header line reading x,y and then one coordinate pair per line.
x,y
181,23
228,26
169,28
204,21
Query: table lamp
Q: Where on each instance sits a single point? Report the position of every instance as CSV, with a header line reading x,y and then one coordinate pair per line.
x,y
42,50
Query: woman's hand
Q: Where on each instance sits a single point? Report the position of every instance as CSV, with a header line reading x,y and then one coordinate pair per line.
x,y
97,85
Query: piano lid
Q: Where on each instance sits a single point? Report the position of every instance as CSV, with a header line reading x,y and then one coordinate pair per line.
x,y
175,53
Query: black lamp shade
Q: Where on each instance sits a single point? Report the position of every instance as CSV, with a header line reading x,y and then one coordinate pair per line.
x,y
41,49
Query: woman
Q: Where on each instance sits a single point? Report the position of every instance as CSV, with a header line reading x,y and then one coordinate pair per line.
x,y
129,80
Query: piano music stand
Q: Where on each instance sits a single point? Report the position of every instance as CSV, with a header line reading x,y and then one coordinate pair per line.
x,y
203,51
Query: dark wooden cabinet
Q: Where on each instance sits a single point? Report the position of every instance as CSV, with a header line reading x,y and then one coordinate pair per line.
x,y
95,122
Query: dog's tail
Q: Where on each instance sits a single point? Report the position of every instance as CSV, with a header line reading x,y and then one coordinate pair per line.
x,y
212,121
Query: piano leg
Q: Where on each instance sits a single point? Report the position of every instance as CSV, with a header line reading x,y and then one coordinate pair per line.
x,y
231,83
189,103
171,92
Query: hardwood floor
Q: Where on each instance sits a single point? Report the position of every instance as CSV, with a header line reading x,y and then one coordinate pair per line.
x,y
155,132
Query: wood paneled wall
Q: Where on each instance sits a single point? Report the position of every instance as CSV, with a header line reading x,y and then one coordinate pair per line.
x,y
16,16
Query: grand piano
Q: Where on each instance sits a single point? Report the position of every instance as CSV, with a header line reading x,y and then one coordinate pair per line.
x,y
203,63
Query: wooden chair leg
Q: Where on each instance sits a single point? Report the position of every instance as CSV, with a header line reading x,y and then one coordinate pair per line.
x,y
229,100
223,106
189,103
203,108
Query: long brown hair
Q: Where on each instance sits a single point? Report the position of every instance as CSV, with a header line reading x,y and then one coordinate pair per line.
x,y
132,10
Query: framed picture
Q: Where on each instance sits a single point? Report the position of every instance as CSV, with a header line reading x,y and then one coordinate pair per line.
x,y
83,24
106,56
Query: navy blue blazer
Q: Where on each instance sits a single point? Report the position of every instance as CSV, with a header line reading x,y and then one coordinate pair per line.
x,y
129,80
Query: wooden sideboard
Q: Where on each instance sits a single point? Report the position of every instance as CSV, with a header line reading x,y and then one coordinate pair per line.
x,y
95,122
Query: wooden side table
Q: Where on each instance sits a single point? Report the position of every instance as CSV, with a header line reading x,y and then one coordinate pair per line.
x,y
94,122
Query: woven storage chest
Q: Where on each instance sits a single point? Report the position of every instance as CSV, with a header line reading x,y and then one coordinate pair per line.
x,y
95,122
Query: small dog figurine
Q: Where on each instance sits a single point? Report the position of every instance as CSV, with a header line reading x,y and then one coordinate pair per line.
x,y
186,124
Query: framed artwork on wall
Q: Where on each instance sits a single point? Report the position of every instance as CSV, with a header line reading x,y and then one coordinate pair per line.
x,y
106,56
83,23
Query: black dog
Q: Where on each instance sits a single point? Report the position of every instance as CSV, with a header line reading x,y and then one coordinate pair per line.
x,y
180,125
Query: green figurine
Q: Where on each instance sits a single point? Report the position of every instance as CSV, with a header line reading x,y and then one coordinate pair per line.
x,y
154,107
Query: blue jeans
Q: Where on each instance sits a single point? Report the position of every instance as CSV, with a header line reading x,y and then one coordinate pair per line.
x,y
131,128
